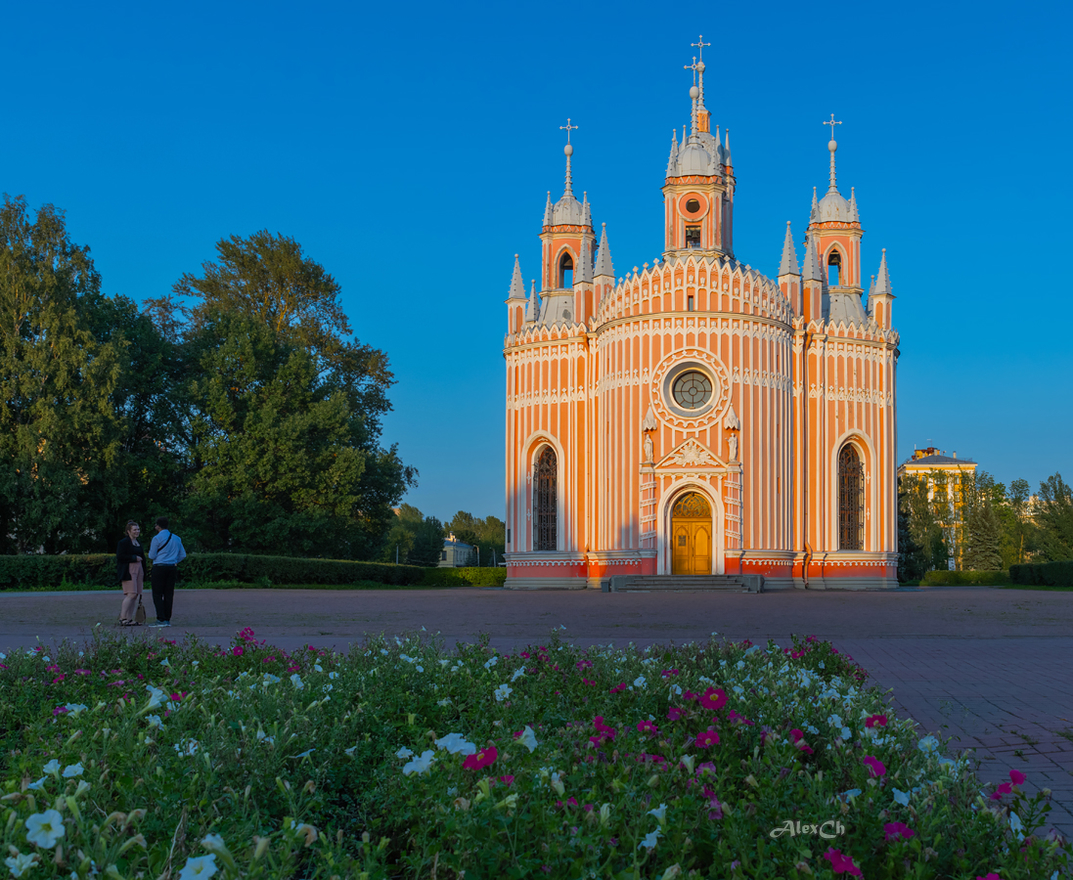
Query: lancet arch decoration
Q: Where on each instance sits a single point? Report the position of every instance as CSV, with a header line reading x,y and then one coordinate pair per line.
x,y
546,500
834,268
851,499
566,270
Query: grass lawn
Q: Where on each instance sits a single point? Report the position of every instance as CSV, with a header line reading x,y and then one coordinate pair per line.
x,y
165,759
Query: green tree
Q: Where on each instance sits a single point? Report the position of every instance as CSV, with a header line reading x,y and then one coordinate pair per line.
x,y
285,436
488,535
1018,525
984,541
416,538
1054,520
912,560
59,433
924,507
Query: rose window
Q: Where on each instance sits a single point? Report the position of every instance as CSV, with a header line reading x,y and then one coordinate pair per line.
x,y
692,390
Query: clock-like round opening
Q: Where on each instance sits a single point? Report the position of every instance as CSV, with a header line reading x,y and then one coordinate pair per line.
x,y
692,390
692,206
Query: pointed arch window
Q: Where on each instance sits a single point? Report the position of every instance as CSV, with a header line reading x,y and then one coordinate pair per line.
x,y
545,501
850,499
566,271
834,269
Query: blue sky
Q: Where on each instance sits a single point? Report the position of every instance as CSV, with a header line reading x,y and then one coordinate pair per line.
x,y
409,147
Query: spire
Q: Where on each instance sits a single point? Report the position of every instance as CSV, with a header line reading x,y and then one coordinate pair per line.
x,y
703,119
811,269
853,215
569,151
813,217
547,211
728,147
603,259
872,288
584,273
789,255
586,210
672,162
532,309
517,286
832,145
883,279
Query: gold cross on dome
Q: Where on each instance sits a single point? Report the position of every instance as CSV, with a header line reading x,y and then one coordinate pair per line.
x,y
569,128
699,46
832,123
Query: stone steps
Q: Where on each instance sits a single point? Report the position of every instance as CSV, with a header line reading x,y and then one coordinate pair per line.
x,y
737,583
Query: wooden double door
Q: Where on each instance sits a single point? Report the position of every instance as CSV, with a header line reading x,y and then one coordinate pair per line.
x,y
691,536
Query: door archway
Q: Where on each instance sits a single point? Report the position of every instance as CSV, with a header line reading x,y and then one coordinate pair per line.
x,y
691,535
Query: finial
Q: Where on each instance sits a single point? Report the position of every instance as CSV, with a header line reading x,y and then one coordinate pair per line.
x,y
569,151
699,46
694,93
832,145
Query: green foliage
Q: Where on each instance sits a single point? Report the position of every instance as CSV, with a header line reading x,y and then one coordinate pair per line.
x,y
965,578
489,535
415,538
923,511
1043,574
60,435
303,765
912,560
464,577
1054,520
29,572
984,539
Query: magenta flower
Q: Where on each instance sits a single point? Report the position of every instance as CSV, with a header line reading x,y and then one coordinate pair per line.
x,y
873,720
237,651
689,695
480,760
584,664
1005,788
714,698
875,766
1018,777
841,864
894,830
620,687
705,769
990,876
796,734
667,673
707,739
648,727
735,718
715,809
673,714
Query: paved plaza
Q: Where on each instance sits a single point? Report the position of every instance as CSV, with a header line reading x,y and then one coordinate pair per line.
x,y
990,667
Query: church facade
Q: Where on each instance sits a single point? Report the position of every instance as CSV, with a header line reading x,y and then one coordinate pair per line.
x,y
695,417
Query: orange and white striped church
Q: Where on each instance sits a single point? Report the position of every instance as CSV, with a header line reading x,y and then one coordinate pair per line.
x,y
695,417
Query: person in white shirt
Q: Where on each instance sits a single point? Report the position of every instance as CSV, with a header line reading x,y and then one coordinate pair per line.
x,y
165,553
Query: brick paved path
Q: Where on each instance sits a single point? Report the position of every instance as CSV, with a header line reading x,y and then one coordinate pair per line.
x,y
990,667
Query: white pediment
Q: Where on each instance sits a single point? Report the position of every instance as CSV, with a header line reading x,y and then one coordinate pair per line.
x,y
691,454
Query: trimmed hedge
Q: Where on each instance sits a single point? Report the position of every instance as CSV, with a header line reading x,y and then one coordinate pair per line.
x,y
98,569
1043,574
940,578
464,577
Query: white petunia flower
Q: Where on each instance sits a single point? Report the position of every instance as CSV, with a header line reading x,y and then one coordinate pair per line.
x,y
528,738
327,688
350,751
928,744
39,785
738,689
444,702
639,682
901,797
75,708
456,743
44,829
296,680
404,753
318,667
332,676
492,661
420,765
202,866
187,747
52,767
73,770
660,813
518,673
650,840
502,692
154,721
21,862
1017,826
305,754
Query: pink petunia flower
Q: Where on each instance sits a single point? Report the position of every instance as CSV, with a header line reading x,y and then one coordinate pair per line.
x,y
480,760
895,830
1005,788
841,864
707,739
648,727
796,734
673,714
619,688
667,673
1018,777
875,766
689,695
873,720
989,876
735,718
714,698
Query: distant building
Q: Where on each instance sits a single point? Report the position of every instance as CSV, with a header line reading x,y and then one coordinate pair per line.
x,y
943,473
455,553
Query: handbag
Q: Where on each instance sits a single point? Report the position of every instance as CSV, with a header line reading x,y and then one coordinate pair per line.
x,y
139,615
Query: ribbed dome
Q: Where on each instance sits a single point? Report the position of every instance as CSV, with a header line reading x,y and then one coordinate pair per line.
x,y
833,207
693,159
567,210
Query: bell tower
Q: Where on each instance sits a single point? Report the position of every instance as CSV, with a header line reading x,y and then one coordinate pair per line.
x,y
835,230
698,193
568,243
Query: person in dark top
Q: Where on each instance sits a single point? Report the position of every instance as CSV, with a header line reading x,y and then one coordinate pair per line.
x,y
130,569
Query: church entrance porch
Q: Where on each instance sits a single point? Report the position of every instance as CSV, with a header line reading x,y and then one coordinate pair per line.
x,y
691,536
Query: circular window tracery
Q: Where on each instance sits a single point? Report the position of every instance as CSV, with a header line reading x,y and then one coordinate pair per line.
x,y
692,390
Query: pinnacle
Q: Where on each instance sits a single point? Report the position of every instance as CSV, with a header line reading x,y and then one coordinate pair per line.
x,y
788,266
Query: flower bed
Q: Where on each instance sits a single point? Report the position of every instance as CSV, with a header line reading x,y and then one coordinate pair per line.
x,y
157,758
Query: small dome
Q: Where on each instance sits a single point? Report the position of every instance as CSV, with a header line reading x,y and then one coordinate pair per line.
x,y
833,207
566,210
693,159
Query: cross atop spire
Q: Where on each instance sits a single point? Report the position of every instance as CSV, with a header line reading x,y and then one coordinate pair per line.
x,y
694,67
832,145
569,128
699,46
